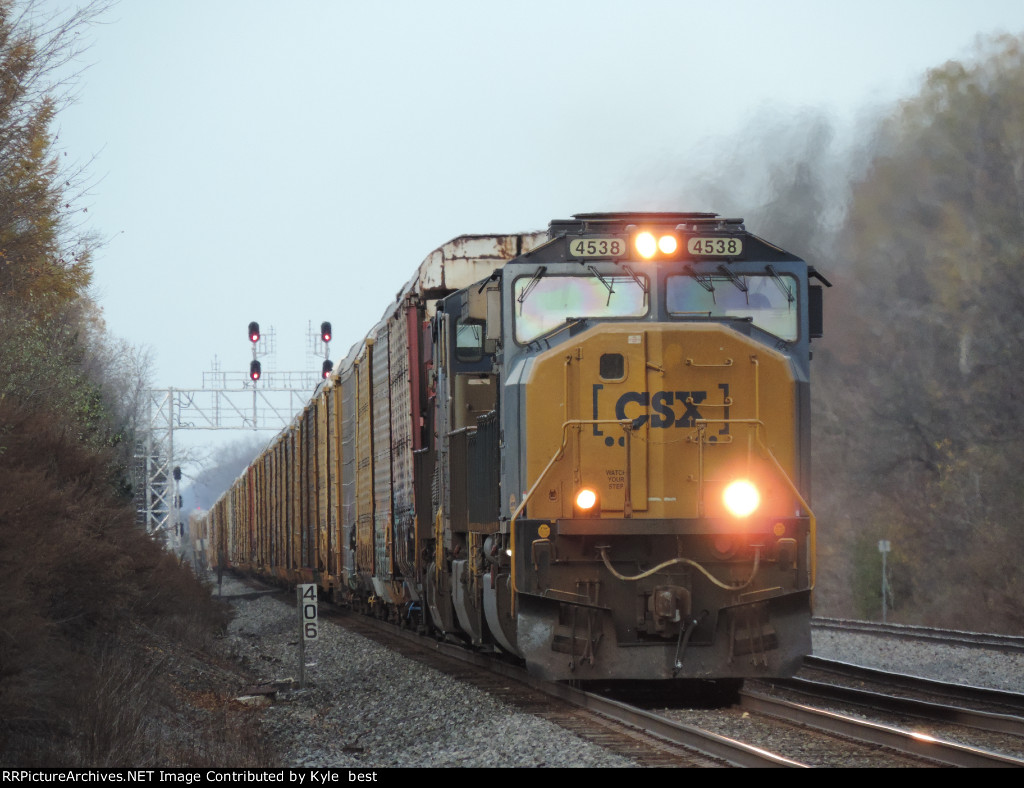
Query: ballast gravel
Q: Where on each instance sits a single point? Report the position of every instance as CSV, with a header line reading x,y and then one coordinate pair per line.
x,y
975,666
367,707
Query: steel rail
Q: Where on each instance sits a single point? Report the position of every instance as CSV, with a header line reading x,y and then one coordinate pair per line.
x,y
905,741
706,743
1012,701
929,710
732,751
912,632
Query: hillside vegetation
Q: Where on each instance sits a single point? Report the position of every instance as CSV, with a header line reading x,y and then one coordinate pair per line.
x,y
95,616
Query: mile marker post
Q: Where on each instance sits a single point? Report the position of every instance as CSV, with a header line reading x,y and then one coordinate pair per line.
x,y
884,547
308,628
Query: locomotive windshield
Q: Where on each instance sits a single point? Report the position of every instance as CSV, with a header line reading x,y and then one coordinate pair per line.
x,y
768,300
543,304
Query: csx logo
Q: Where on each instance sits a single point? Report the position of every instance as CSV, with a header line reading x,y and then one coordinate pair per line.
x,y
661,409
666,408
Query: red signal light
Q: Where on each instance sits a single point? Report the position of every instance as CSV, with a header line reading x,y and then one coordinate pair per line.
x,y
255,370
328,367
325,331
254,332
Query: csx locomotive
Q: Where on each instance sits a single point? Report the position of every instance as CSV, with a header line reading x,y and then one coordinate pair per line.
x,y
587,449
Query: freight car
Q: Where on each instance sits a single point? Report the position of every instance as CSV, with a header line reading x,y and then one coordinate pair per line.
x,y
587,449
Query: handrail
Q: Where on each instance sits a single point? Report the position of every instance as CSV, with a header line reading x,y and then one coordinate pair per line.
x,y
769,454
626,425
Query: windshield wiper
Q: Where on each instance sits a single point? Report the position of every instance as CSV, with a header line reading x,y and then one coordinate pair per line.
x,y
533,283
601,279
641,283
790,298
740,284
569,324
704,280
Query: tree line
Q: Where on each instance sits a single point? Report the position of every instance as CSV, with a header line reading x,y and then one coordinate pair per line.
x,y
918,384
92,608
923,396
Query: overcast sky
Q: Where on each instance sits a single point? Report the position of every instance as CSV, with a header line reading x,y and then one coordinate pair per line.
x,y
294,162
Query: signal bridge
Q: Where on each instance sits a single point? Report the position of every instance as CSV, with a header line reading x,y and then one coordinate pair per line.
x,y
253,401
267,404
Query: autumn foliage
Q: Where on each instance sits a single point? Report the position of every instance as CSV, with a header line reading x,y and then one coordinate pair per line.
x,y
94,613
920,407
917,219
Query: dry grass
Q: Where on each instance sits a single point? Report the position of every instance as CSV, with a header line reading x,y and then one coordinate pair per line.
x,y
103,635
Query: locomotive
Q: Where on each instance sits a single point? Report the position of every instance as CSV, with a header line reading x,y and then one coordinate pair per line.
x,y
587,449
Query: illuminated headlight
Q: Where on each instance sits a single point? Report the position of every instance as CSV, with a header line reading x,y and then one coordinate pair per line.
x,y
741,498
646,245
585,499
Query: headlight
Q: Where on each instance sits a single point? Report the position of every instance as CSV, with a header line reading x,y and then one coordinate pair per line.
x,y
585,499
741,498
646,245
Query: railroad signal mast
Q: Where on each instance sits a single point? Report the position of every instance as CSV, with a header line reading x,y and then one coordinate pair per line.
x,y
275,398
255,369
325,336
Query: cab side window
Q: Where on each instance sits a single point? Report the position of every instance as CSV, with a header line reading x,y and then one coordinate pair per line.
x,y
469,342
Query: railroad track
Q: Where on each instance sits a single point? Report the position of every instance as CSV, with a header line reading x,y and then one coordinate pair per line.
x,y
908,742
646,738
910,632
981,726
665,739
983,708
761,731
